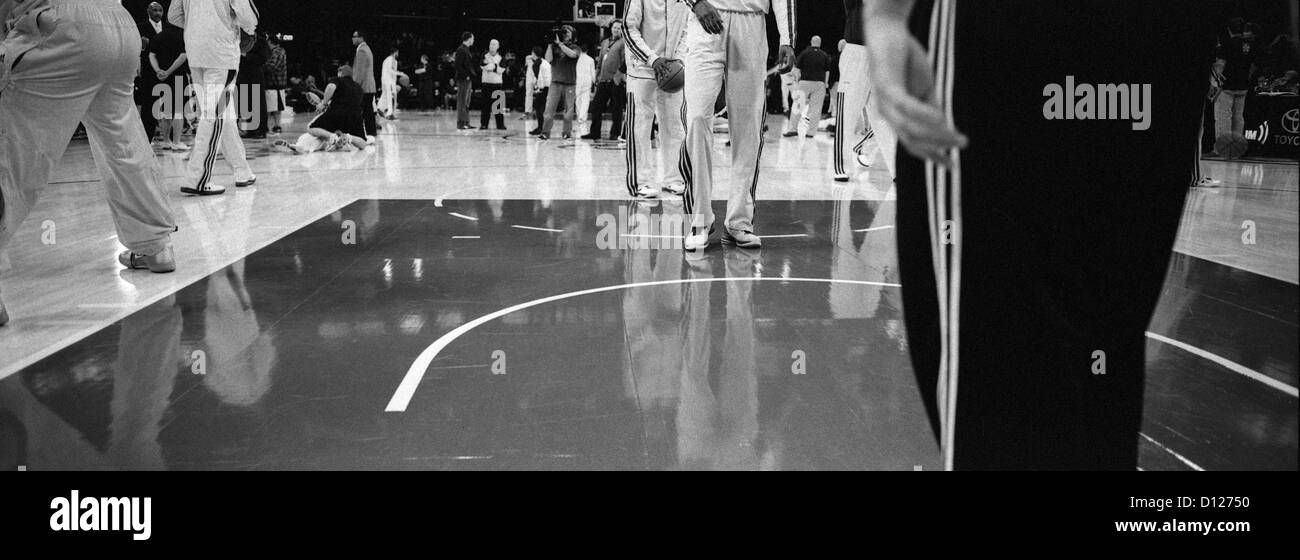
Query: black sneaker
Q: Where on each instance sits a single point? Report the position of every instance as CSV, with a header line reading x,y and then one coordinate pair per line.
x,y
543,136
535,132
590,137
568,136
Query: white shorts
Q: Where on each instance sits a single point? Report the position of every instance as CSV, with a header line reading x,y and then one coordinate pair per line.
x,y
275,100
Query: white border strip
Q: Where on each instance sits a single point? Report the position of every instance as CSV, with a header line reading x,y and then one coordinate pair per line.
x,y
1185,460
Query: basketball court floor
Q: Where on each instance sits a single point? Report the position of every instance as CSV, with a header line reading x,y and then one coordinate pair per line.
x,y
476,300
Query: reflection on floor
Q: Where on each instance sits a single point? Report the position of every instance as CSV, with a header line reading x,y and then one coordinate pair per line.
x,y
277,346
792,357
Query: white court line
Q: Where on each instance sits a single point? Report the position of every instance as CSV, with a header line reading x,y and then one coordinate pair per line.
x,y
873,229
462,216
466,237
1229,364
121,305
406,389
539,229
1185,460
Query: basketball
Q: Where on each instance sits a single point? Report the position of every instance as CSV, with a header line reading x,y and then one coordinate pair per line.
x,y
673,77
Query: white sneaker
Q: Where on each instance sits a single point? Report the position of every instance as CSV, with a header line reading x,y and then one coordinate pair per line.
x,y
697,240
647,191
370,140
675,188
178,147
1208,182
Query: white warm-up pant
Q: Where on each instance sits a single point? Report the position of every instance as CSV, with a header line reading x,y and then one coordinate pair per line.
x,y
387,104
738,55
853,101
644,103
584,100
218,130
84,72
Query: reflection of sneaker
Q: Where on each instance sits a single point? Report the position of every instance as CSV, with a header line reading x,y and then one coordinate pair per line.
x,y
790,134
742,239
210,190
250,182
697,240
178,147
1209,182
161,263
675,188
4,315
842,177
864,160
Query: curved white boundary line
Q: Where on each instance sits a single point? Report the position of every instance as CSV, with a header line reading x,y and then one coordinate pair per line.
x,y
406,390
1229,364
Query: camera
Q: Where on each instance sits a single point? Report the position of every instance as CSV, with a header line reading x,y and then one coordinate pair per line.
x,y
556,34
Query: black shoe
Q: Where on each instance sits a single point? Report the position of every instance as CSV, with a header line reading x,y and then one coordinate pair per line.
x,y
568,136
484,127
543,136
501,127
590,137
535,132
276,130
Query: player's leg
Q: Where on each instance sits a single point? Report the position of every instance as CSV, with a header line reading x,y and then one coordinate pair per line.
x,y
672,132
130,175
641,94
746,72
705,67
813,113
850,102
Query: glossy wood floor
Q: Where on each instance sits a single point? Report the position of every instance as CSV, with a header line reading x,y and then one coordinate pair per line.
x,y
1231,305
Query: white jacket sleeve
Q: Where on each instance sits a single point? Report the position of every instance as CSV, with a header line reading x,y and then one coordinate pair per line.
x,y
176,13
636,44
246,15
786,25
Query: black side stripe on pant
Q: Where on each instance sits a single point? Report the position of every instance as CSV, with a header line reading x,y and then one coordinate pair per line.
x,y
839,133
758,159
218,128
629,131
688,171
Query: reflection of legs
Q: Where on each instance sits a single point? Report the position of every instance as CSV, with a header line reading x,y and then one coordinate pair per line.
x,y
145,372
1239,113
738,384
130,173
697,407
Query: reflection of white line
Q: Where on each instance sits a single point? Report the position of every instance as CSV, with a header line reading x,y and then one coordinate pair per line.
x,y
437,202
465,237
1229,364
1185,460
406,389
540,229
462,216
784,235
646,235
107,305
873,228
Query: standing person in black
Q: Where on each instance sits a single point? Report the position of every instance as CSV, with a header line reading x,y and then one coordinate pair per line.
x,y
167,65
425,80
465,70
252,99
1237,54
1030,271
150,28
